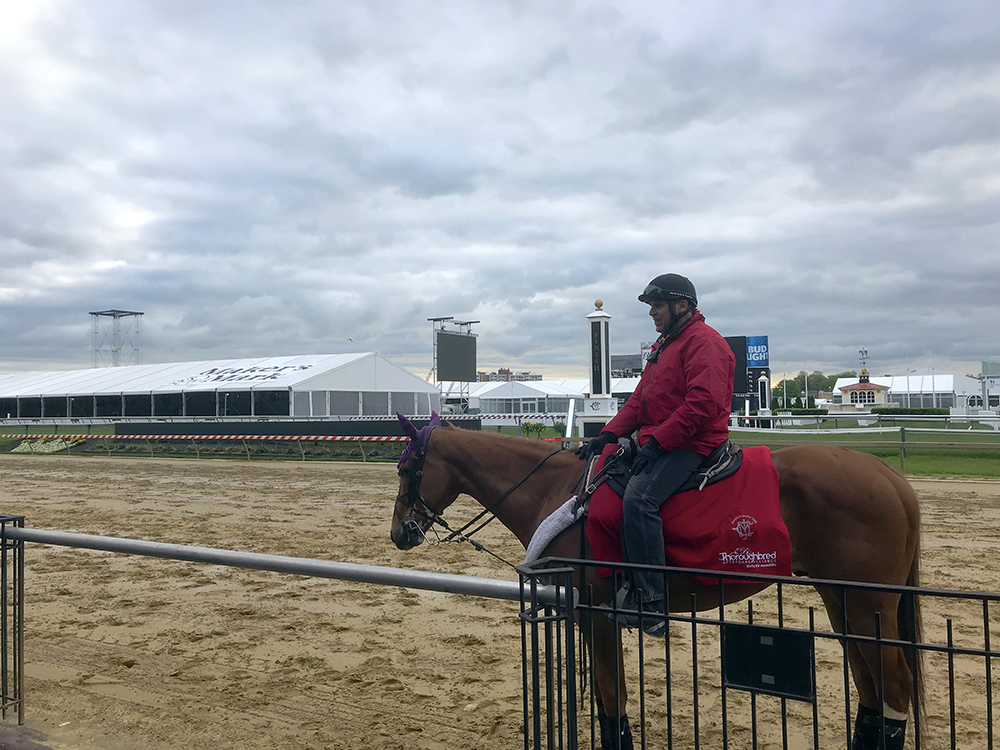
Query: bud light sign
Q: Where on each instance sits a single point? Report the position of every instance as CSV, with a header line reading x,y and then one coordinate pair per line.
x,y
757,351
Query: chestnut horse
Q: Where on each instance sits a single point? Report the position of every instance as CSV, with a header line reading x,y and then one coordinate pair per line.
x,y
850,516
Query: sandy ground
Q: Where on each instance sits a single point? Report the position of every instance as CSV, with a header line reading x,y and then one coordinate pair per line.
x,y
129,652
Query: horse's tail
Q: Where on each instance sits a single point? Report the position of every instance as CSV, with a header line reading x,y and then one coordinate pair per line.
x,y
910,629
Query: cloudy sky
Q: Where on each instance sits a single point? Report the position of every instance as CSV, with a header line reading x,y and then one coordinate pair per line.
x,y
265,178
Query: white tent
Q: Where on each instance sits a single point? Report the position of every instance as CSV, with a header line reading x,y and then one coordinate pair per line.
x,y
532,396
305,386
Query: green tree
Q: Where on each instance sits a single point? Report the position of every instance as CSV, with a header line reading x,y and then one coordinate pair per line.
x,y
817,381
792,388
795,386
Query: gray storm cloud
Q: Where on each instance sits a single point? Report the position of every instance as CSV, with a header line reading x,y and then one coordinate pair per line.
x,y
269,180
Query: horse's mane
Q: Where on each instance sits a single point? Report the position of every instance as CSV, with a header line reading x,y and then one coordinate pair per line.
x,y
515,443
512,452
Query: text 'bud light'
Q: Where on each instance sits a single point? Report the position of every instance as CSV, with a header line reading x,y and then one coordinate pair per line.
x,y
757,355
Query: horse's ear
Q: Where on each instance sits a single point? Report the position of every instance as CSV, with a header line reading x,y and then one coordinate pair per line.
x,y
408,427
435,419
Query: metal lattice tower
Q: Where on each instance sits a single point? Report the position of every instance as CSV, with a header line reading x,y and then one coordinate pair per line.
x,y
112,332
441,324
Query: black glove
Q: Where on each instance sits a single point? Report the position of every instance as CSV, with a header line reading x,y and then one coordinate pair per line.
x,y
596,446
646,456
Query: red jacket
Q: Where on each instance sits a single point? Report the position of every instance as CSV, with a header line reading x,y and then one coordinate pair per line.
x,y
684,398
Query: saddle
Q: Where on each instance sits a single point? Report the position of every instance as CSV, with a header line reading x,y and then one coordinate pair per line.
x,y
720,464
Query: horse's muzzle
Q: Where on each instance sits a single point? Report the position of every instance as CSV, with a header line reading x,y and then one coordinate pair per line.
x,y
406,535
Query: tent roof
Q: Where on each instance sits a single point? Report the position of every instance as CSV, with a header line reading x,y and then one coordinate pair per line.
x,y
365,371
530,389
572,388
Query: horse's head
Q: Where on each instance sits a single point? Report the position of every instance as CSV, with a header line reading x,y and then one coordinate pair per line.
x,y
424,486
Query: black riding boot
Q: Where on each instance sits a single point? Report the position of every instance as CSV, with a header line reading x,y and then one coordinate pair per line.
x,y
868,731
616,734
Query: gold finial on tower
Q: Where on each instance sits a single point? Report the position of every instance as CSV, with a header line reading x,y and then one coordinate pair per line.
x,y
598,304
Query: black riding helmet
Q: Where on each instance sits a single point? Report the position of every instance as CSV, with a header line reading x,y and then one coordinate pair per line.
x,y
669,286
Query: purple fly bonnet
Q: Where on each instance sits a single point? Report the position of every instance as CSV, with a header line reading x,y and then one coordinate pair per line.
x,y
418,438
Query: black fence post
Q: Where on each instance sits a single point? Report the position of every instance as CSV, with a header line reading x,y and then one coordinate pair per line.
x,y
549,658
11,620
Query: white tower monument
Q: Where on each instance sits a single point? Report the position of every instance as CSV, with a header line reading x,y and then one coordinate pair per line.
x,y
600,406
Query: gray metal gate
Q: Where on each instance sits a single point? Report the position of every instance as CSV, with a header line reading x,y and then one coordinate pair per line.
x,y
767,672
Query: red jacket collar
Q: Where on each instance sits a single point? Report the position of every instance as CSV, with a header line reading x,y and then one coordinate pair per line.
x,y
663,340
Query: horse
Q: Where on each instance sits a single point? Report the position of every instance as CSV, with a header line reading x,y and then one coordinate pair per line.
x,y
850,517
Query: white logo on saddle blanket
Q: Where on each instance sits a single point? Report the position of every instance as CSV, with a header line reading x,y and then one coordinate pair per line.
x,y
743,525
749,559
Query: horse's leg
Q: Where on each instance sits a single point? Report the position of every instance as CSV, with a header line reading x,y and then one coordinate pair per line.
x,y
853,518
609,685
585,620
607,660
881,674
867,692
863,738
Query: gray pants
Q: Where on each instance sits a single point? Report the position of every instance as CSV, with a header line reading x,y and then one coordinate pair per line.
x,y
642,528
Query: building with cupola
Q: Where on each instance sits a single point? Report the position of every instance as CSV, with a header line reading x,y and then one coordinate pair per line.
x,y
864,394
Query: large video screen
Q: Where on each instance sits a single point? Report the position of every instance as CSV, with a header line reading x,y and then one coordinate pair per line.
x,y
739,346
456,357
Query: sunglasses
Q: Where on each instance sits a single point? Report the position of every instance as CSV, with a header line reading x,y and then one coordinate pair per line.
x,y
653,292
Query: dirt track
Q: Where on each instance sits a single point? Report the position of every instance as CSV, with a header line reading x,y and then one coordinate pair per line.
x,y
126,652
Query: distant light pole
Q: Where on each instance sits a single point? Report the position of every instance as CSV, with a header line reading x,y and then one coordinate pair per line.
x,y
934,399
908,371
784,384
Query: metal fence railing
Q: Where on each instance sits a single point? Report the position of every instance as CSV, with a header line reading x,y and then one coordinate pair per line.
x,y
13,536
699,689
899,440
988,420
689,690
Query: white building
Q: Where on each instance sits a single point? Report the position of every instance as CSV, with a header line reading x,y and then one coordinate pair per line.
x,y
915,391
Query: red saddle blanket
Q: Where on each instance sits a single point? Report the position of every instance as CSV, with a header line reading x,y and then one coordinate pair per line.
x,y
734,525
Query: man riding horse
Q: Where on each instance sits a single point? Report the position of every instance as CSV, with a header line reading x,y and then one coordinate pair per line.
x,y
843,516
681,411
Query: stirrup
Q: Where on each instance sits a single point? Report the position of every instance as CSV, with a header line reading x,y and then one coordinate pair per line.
x,y
625,598
628,612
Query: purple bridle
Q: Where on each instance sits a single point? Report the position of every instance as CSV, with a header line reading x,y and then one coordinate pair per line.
x,y
415,452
